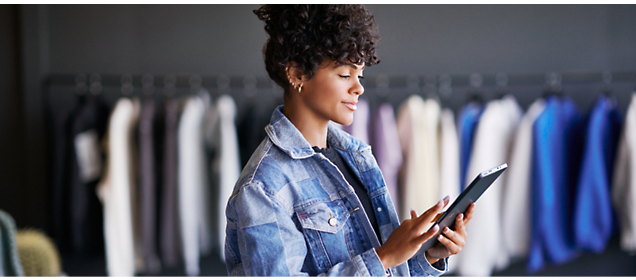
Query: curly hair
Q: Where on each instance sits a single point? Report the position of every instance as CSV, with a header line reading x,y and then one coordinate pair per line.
x,y
307,34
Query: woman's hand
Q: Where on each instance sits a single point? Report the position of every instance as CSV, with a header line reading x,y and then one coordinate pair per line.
x,y
407,239
453,241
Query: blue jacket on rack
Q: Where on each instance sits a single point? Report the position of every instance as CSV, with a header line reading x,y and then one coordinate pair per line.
x,y
557,143
466,123
593,214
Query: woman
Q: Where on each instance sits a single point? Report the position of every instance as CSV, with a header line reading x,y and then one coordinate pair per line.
x,y
312,200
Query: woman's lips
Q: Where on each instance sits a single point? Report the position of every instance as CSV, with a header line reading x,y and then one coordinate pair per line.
x,y
351,106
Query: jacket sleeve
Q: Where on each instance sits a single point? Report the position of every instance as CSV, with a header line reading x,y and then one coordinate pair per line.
x,y
263,240
419,266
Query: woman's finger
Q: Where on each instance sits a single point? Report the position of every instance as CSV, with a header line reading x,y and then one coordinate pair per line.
x,y
427,235
424,220
439,215
460,225
454,236
469,213
450,245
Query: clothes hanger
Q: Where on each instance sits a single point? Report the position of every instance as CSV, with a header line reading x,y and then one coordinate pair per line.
x,y
553,85
501,89
430,88
195,82
148,85
250,88
127,87
476,92
80,87
444,89
169,85
223,83
607,83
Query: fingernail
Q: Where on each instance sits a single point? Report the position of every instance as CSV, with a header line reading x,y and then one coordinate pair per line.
x,y
446,198
461,216
436,227
440,237
440,203
446,230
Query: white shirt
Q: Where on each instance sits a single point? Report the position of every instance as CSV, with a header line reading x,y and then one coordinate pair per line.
x,y
449,161
419,130
193,185
493,135
516,191
227,164
624,182
117,188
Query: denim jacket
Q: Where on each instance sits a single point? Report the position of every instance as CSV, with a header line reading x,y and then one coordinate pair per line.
x,y
292,213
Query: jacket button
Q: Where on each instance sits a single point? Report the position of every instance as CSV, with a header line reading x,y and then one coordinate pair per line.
x,y
333,222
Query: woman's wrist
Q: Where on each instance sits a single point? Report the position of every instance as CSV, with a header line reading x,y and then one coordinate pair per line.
x,y
430,259
383,257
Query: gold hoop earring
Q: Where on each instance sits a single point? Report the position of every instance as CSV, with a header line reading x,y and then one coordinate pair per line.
x,y
300,87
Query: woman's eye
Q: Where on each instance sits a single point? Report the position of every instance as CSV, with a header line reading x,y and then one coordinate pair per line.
x,y
360,77
344,76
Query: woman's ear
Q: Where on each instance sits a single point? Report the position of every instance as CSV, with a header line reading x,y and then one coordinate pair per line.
x,y
294,73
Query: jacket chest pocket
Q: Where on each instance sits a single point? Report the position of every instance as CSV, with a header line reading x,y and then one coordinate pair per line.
x,y
324,229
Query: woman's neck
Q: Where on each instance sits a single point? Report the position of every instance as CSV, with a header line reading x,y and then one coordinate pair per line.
x,y
313,128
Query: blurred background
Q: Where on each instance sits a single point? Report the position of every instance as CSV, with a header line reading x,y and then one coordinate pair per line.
x,y
50,54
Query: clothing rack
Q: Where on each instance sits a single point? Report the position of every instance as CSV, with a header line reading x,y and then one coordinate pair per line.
x,y
453,90
214,81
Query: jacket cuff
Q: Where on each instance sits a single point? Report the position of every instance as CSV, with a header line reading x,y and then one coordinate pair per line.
x,y
436,269
372,263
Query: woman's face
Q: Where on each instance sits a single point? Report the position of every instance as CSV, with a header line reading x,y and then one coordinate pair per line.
x,y
333,91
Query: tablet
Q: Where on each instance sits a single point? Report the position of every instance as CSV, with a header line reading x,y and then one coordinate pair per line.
x,y
468,196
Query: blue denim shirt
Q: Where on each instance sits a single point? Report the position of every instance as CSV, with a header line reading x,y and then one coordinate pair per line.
x,y
292,213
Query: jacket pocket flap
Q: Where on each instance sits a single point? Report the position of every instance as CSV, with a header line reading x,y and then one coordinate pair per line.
x,y
324,216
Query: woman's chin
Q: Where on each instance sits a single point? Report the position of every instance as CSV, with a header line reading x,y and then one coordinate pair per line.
x,y
344,121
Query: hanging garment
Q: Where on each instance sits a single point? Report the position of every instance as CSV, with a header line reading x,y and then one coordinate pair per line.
x,y
117,190
221,137
61,177
193,184
170,233
431,143
492,139
251,127
359,128
449,164
148,186
516,191
449,160
593,213
466,124
557,142
87,130
418,127
624,182
387,149
9,260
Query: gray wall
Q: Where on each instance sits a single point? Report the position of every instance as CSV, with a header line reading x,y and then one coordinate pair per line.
x,y
426,39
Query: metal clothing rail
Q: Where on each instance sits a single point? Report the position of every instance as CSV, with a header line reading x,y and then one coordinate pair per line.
x,y
377,80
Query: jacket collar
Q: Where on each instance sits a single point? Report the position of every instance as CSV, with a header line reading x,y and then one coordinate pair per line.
x,y
282,132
